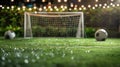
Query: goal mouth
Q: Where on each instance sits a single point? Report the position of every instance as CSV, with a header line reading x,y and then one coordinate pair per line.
x,y
54,24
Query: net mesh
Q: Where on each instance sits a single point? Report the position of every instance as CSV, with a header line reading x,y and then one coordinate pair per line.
x,y
53,25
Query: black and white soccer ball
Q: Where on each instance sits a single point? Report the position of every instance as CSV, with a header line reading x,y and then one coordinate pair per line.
x,y
9,34
101,35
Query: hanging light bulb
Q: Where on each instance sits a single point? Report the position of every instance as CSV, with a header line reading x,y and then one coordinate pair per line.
x,y
44,7
3,7
89,6
96,0
96,5
113,5
70,9
12,0
27,0
30,9
40,9
12,7
79,0
65,7
105,4
112,0
65,0
118,4
100,5
71,5
59,1
61,6
18,8
93,7
43,0
108,6
84,8
8,7
80,8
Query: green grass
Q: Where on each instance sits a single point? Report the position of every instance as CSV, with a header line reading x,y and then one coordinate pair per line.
x,y
59,52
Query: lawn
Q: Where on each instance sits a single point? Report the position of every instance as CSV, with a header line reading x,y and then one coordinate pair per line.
x,y
59,52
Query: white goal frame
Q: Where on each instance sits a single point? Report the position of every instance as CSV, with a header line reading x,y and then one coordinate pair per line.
x,y
27,21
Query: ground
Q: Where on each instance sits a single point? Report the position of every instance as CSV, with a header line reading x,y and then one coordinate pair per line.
x,y
59,52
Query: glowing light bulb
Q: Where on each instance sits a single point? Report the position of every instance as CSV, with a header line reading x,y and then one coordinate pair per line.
x,y
105,4
61,6
89,6
112,0
65,0
79,0
96,5
59,1
18,8
118,4
40,9
43,0
44,7
108,6
35,12
100,5
65,7
3,7
28,1
80,8
113,5
8,7
30,9
35,7
84,8
96,0
71,5
75,8
70,9
12,0
12,7
93,7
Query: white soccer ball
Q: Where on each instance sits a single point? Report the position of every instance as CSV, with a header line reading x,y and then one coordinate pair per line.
x,y
9,34
101,35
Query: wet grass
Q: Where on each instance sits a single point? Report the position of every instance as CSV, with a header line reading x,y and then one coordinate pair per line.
x,y
59,52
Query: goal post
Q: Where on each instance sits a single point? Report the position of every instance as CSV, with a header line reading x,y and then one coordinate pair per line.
x,y
56,20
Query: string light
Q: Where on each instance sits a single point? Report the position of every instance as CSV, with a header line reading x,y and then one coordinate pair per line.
x,y
89,6
93,8
18,8
118,4
80,8
96,0
8,7
65,0
30,9
40,9
43,0
71,5
3,7
59,1
79,0
96,5
84,8
100,5
12,0
44,7
28,1
112,0
12,7
105,4
108,6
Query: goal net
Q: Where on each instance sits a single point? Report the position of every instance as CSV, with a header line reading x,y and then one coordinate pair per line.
x,y
54,24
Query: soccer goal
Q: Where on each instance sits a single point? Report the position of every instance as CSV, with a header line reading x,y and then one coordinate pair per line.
x,y
54,24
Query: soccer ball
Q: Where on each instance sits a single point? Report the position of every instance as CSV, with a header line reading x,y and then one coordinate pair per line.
x,y
9,34
101,35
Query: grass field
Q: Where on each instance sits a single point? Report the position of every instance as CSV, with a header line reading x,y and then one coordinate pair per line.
x,y
59,52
